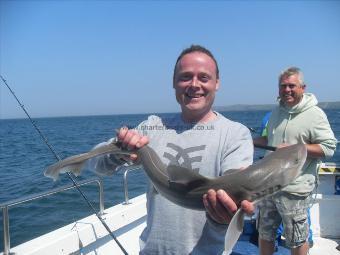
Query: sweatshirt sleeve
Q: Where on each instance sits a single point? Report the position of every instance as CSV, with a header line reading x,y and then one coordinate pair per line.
x,y
105,164
109,164
323,135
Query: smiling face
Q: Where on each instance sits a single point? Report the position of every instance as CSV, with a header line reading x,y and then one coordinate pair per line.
x,y
195,84
291,90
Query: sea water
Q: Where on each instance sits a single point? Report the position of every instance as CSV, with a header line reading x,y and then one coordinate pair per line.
x,y
24,156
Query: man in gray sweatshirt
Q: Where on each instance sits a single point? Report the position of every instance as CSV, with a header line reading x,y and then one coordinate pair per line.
x,y
199,139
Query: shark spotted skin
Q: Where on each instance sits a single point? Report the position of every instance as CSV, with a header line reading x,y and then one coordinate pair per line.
x,y
186,188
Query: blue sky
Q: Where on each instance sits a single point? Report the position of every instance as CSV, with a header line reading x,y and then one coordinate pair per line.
x,y
65,58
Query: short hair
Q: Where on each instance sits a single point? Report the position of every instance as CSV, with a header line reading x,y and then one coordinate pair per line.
x,y
292,71
196,48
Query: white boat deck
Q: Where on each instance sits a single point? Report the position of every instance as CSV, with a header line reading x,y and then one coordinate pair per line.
x,y
88,236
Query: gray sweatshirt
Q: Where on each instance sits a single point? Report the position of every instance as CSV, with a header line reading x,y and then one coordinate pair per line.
x,y
208,148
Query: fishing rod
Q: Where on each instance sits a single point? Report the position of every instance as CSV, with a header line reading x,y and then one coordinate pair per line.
x,y
68,174
266,147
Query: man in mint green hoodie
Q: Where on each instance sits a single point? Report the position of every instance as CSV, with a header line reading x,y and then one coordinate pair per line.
x,y
297,119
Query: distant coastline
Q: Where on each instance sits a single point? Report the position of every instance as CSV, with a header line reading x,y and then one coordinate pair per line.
x,y
268,107
227,108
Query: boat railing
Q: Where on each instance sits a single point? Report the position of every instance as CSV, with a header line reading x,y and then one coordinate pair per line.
x,y
11,203
126,191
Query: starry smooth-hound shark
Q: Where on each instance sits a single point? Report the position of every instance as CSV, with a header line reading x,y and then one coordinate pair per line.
x,y
186,188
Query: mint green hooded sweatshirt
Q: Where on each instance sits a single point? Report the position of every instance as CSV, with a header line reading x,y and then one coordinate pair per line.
x,y
303,123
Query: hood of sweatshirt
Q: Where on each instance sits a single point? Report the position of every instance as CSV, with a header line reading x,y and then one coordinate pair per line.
x,y
308,100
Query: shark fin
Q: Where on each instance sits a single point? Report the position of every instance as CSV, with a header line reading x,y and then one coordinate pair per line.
x,y
75,168
234,231
184,179
178,187
231,171
54,170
